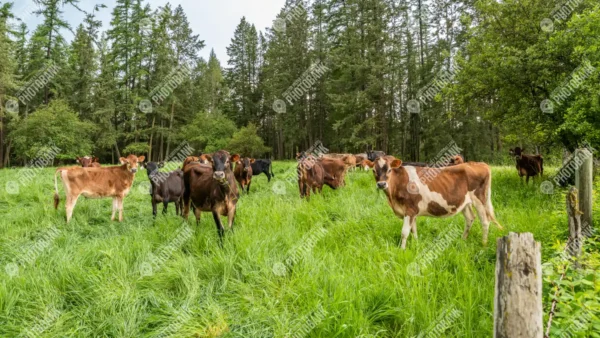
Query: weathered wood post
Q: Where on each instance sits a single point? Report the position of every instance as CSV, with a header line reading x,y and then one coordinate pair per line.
x,y
518,295
584,180
574,242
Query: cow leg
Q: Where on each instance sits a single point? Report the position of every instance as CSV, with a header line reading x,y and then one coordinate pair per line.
x,y
198,214
527,180
231,217
268,177
153,208
186,205
177,207
406,230
120,201
220,229
70,205
485,223
469,218
413,227
115,207
248,189
165,206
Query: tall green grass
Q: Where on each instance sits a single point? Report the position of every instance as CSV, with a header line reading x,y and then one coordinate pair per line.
x,y
356,273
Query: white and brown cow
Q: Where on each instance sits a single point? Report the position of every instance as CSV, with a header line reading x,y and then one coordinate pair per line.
x,y
105,182
450,191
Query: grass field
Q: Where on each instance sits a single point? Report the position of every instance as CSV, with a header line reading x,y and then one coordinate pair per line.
x,y
328,267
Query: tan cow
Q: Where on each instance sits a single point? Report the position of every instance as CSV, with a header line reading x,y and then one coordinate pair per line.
x,y
103,182
449,191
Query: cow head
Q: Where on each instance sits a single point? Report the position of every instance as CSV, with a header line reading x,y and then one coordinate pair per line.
x,y
221,162
246,162
517,152
457,159
86,161
382,170
132,162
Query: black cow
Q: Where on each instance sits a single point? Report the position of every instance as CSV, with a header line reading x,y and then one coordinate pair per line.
x,y
165,187
262,166
372,155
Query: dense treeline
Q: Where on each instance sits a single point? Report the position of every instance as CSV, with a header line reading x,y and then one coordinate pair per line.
x,y
479,70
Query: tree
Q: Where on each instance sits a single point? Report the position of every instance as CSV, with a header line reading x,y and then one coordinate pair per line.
x,y
53,125
246,142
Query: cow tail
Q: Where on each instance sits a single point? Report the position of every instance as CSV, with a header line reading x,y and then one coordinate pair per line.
x,y
271,169
489,208
56,196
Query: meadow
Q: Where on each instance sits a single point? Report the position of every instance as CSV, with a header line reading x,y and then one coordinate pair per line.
x,y
327,267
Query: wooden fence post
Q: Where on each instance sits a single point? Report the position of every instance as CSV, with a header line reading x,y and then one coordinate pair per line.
x,y
574,213
584,179
518,294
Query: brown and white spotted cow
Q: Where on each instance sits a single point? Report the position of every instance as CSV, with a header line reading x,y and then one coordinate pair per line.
x,y
453,190
103,182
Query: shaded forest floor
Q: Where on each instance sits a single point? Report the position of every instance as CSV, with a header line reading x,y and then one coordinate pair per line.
x,y
328,267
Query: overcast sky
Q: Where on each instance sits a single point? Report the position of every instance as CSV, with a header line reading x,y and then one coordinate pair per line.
x,y
213,20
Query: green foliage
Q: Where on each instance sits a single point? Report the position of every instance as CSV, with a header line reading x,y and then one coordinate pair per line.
x,y
246,142
55,124
137,148
209,132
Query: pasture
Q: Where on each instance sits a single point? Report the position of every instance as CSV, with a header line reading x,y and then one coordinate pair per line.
x,y
88,279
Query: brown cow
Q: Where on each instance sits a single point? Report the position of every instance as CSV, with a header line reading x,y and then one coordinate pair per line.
x,y
243,173
527,165
335,170
452,190
89,162
212,188
312,176
104,182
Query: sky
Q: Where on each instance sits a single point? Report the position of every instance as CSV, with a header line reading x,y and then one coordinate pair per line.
x,y
213,20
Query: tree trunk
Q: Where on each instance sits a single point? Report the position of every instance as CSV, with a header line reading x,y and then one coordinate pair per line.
x,y
574,243
518,293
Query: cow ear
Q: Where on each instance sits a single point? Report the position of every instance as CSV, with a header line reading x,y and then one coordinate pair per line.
x,y
369,163
161,164
252,160
396,163
96,159
206,157
123,160
141,158
235,158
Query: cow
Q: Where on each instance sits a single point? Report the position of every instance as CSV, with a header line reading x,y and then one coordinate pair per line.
x,y
372,155
527,165
335,170
103,182
262,166
212,188
452,190
165,187
312,176
243,173
190,159
89,162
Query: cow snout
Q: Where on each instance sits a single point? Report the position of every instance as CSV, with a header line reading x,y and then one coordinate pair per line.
x,y
219,175
134,170
382,185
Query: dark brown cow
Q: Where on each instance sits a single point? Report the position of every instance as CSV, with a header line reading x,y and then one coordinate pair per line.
x,y
312,176
243,173
335,170
212,188
452,190
104,182
165,187
527,165
89,162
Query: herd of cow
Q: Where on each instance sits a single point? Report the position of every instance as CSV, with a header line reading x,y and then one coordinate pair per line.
x,y
209,183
